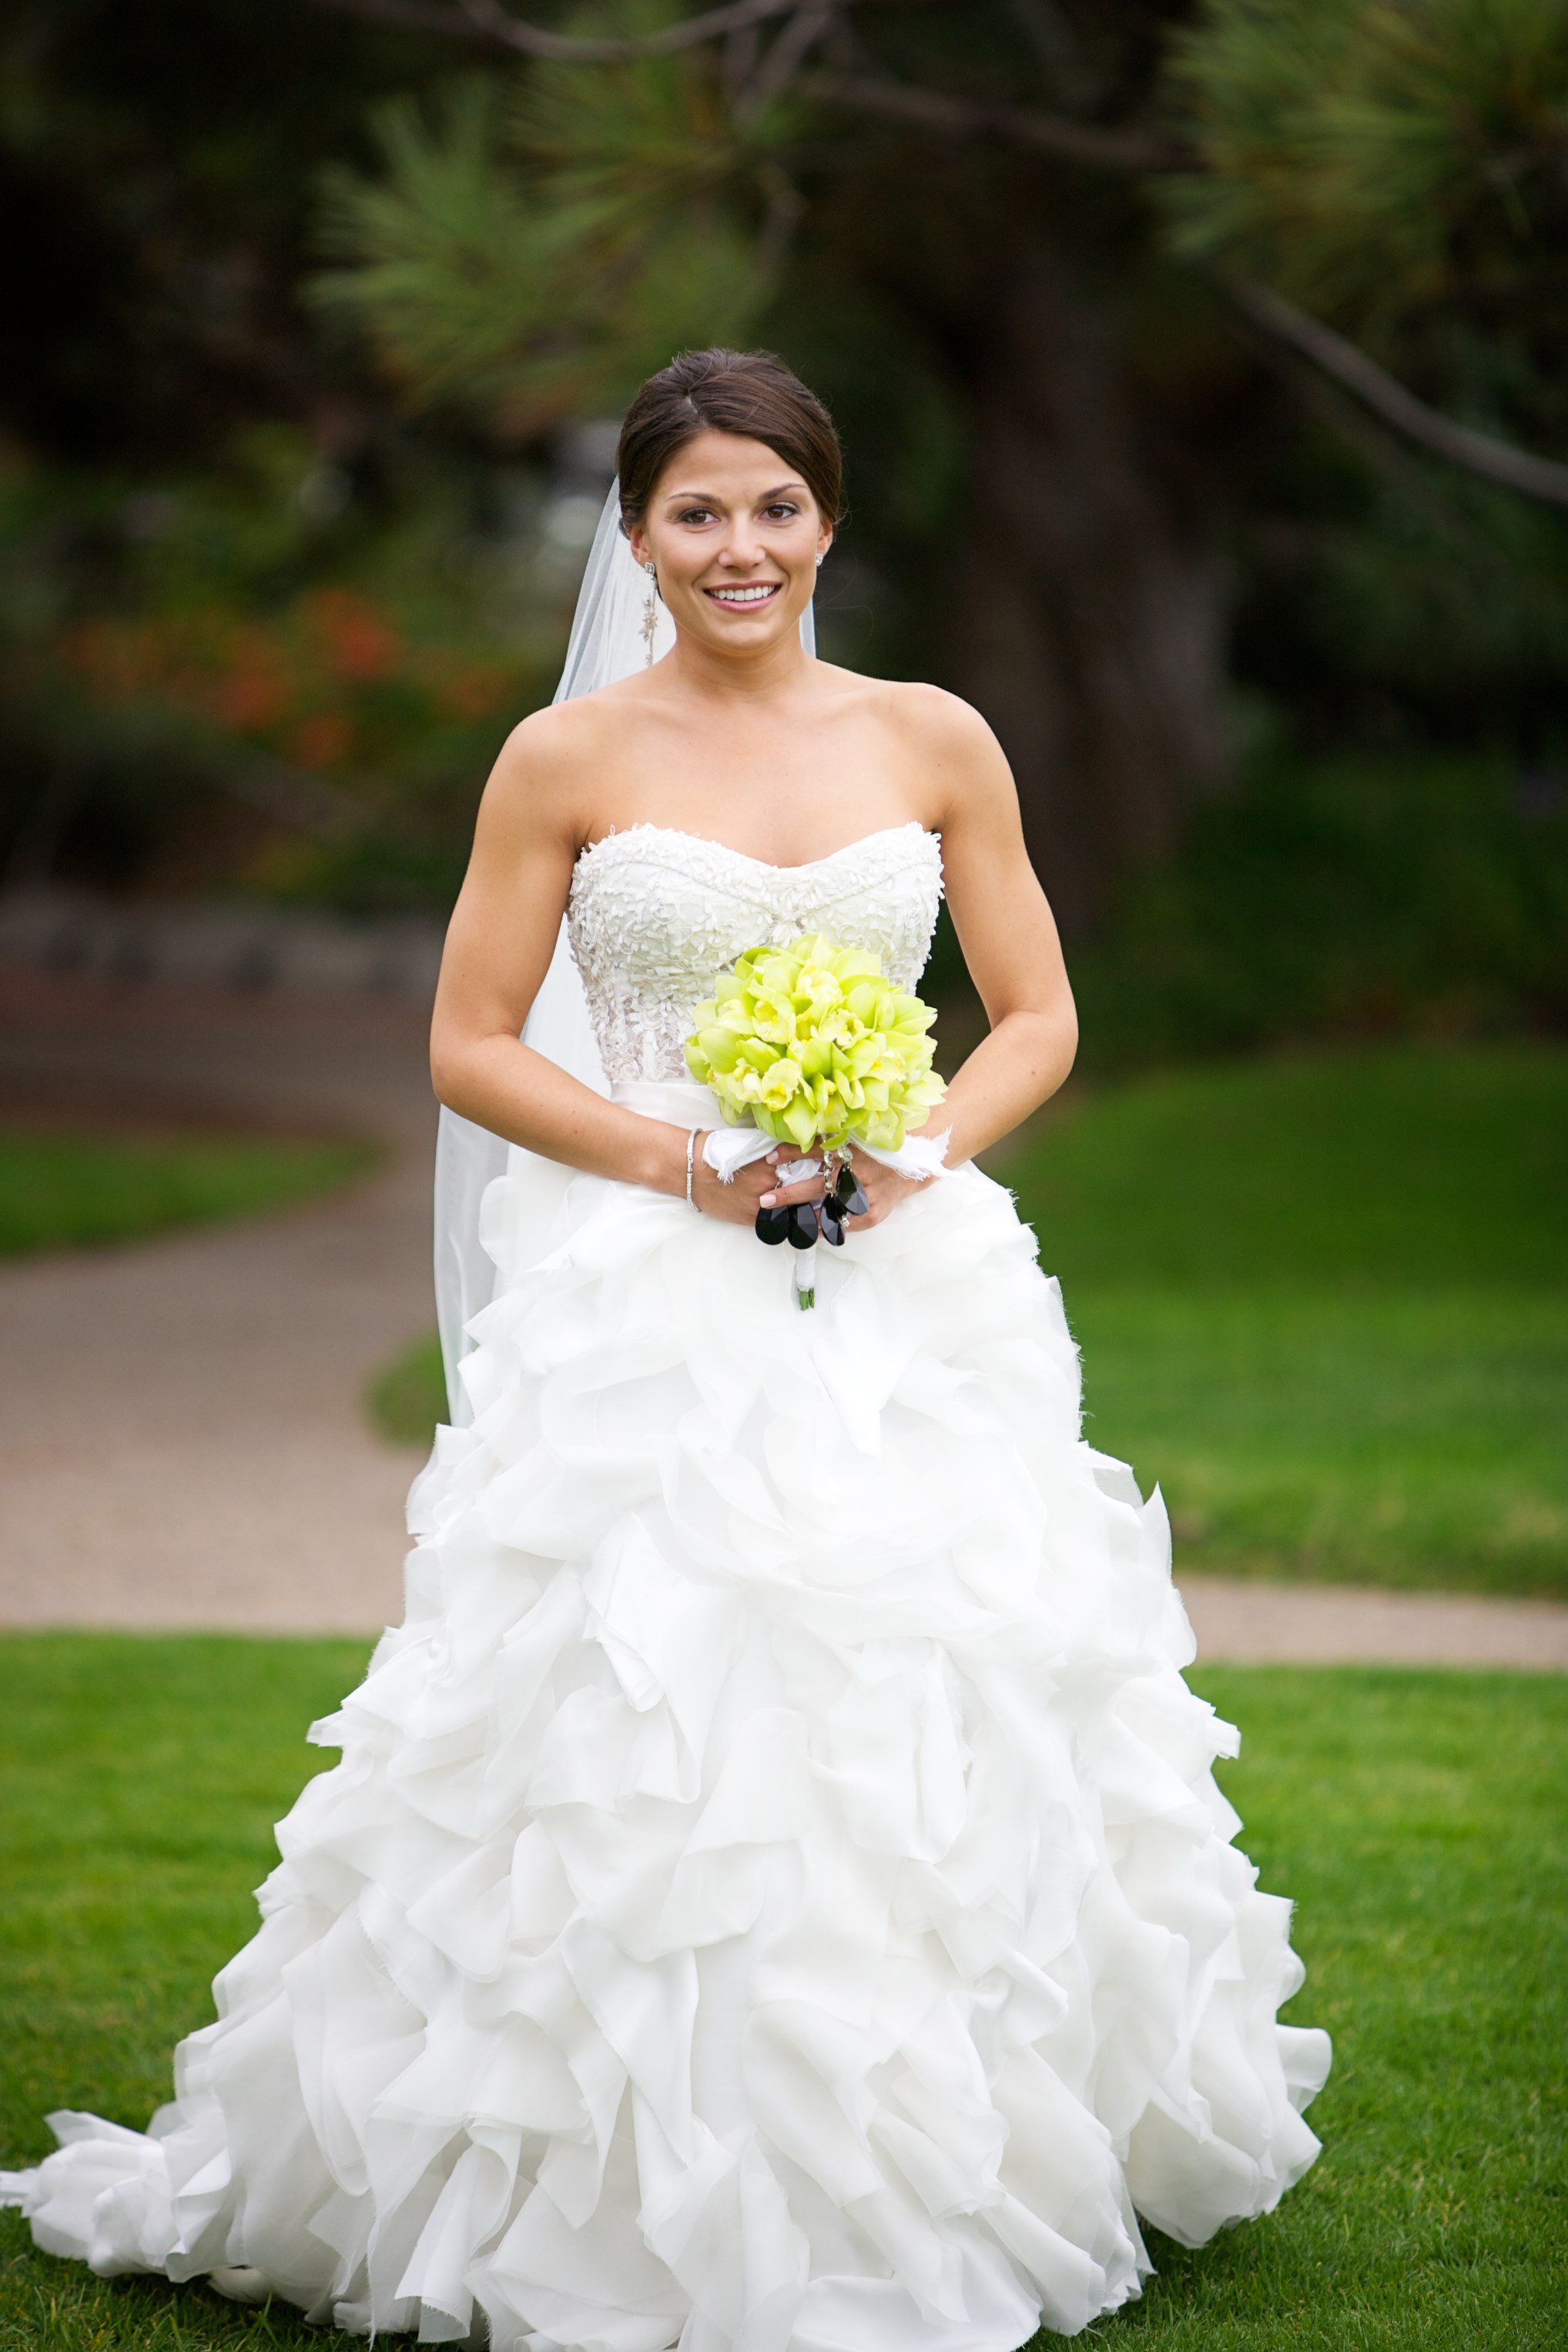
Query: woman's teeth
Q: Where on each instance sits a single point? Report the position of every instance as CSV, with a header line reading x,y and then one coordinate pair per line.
x,y
758,595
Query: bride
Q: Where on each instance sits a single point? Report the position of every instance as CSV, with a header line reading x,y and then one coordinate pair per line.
x,y
773,1895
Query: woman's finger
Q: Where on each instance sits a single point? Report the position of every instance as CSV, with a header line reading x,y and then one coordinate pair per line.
x,y
784,1196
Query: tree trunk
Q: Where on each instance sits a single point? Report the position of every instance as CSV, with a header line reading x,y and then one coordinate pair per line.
x,y
1089,627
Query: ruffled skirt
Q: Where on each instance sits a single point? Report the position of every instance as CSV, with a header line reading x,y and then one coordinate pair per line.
x,y
773,1895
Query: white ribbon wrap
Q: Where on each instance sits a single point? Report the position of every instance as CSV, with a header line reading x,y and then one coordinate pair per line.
x,y
729,1148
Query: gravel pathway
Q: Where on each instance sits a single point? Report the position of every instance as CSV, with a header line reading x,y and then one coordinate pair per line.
x,y
1243,1621
182,1437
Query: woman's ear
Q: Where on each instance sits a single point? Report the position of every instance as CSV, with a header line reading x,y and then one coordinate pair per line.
x,y
637,538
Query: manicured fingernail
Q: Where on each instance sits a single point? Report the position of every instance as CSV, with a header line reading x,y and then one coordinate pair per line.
x,y
768,1201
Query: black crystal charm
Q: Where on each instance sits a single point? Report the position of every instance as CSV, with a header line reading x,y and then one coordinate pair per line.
x,y
772,1227
847,1192
831,1219
803,1224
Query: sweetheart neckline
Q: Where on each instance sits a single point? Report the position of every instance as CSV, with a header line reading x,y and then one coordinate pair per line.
x,y
806,866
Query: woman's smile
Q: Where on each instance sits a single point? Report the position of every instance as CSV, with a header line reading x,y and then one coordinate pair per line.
x,y
758,591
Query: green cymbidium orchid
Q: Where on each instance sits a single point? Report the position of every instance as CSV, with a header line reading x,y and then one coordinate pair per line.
x,y
782,1082
817,1045
773,1015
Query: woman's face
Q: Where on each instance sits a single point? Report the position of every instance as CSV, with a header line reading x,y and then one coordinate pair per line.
x,y
735,534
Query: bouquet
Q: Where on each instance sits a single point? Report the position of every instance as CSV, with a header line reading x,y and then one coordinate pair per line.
x,y
813,1044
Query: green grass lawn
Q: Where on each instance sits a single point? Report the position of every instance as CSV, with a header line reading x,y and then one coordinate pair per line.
x,y
1418,1819
62,1191
408,1396
1323,1300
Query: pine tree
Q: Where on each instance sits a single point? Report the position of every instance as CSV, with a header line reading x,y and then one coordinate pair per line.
x,y
1056,215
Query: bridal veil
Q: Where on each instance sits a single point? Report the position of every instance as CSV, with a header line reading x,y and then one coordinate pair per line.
x,y
607,642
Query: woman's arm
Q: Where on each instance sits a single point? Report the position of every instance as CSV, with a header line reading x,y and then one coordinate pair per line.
x,y
1008,937
499,945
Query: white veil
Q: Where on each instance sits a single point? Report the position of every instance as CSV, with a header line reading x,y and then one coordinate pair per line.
x,y
606,643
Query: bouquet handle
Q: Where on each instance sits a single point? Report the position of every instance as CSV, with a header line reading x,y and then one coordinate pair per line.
x,y
728,1149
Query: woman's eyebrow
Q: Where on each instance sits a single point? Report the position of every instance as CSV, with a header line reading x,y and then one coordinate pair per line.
x,y
709,499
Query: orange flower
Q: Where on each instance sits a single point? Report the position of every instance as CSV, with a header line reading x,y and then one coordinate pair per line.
x,y
359,643
116,660
471,692
251,696
322,739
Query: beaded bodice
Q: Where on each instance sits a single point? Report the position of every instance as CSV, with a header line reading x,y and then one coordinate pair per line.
x,y
655,915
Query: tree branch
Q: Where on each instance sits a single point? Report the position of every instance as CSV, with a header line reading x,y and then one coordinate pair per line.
x,y
412,17
1049,134
1078,142
487,22
770,78
1478,453
1131,150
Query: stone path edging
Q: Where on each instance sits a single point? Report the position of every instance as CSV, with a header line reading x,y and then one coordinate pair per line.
x,y
1239,1621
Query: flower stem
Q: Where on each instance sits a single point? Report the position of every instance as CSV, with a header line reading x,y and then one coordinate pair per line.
x,y
805,1277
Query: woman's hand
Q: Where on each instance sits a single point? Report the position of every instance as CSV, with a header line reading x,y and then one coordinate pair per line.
x,y
754,1186
737,1203
882,1188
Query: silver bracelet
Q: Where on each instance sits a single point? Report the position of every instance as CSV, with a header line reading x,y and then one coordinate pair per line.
x,y
690,1155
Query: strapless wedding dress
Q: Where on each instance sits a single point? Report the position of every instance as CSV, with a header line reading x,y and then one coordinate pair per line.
x,y
773,1895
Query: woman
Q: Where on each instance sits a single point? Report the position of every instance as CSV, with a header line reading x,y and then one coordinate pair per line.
x,y
773,1895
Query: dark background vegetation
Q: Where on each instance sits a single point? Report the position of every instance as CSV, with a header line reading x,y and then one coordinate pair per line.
x,y
314,321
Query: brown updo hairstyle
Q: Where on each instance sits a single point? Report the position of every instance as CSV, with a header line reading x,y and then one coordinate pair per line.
x,y
752,394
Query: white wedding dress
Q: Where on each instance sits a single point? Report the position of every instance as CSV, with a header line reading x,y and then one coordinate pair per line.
x,y
773,1895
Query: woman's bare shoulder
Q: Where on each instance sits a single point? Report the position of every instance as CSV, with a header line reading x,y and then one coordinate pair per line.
x,y
943,739
562,734
926,712
545,771
937,717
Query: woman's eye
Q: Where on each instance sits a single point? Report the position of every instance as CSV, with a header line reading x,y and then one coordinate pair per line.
x,y
697,514
781,511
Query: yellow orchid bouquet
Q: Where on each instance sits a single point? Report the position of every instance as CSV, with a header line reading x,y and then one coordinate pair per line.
x,y
815,1046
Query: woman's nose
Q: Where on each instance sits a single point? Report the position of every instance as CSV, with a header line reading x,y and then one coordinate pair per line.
x,y
741,550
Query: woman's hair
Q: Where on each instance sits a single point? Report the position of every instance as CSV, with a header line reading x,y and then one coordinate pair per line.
x,y
751,394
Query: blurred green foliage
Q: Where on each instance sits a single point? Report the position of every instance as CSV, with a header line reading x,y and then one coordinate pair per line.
x,y
1347,895
157,170
533,251
1329,894
285,674
1372,159
1398,169
259,630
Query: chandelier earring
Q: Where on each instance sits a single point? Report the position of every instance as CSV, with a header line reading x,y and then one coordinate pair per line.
x,y
651,610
